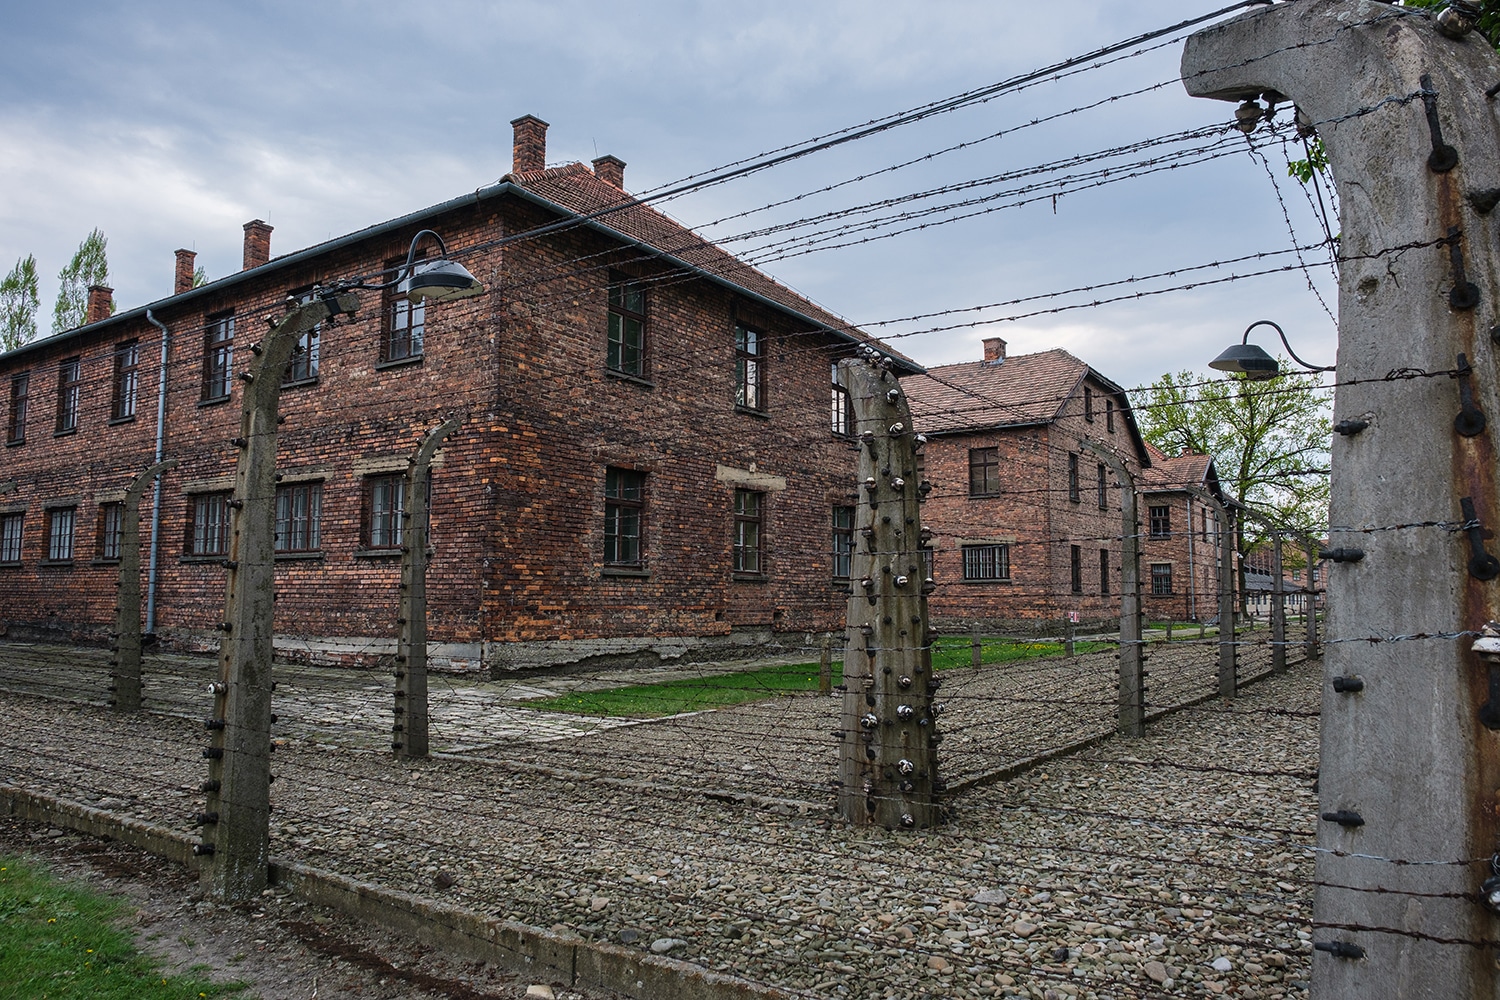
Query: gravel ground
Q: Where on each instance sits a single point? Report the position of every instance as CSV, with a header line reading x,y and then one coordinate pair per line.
x,y
1175,865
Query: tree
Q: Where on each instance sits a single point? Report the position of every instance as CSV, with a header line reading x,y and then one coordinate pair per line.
x,y
18,304
1269,441
89,266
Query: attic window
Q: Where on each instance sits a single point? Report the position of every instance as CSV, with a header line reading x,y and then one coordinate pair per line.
x,y
1088,404
1109,415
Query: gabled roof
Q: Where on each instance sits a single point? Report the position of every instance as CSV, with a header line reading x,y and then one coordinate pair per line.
x,y
1020,391
574,189
1189,470
581,198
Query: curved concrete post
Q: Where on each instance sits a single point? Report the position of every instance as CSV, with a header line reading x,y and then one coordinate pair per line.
x,y
126,665
1132,715
409,730
1408,772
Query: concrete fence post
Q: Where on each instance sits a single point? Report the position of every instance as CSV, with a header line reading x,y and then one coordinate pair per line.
x,y
1278,607
125,665
1132,683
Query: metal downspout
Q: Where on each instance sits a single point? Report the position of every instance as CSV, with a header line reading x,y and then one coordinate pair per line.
x,y
161,441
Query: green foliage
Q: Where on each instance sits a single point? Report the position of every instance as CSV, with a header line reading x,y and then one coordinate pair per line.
x,y
18,305
89,266
1489,16
1316,162
62,942
200,276
1269,439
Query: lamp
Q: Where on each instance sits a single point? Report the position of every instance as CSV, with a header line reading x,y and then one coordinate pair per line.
x,y
1253,362
440,280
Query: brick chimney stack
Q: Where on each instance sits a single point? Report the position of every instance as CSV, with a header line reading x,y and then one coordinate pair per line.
x,y
101,303
257,243
994,350
610,170
185,266
530,144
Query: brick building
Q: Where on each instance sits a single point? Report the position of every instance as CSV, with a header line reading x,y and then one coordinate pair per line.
x,y
645,465
1180,537
1026,522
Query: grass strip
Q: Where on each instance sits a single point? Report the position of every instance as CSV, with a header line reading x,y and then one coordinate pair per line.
x,y
61,941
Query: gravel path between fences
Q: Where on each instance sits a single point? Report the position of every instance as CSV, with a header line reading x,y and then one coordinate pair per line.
x,y
1176,865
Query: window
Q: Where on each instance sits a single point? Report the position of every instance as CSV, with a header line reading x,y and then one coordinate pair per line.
x,y
218,356
1088,404
10,537
111,531
1109,415
69,387
627,326
299,516
1161,578
1073,477
624,516
986,562
1161,522
15,431
303,366
386,504
841,408
984,472
405,323
749,508
1076,567
126,381
749,368
843,542
60,534
1103,488
1104,572
208,531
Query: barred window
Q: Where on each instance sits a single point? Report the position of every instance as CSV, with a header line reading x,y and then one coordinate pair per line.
x,y
624,516
1073,477
1161,578
1075,560
60,521
208,530
986,562
10,537
385,506
111,530
299,516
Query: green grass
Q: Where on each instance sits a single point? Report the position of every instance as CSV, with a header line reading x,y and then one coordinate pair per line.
x,y
60,941
696,694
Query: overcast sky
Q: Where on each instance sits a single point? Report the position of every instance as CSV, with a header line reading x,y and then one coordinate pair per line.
x,y
172,124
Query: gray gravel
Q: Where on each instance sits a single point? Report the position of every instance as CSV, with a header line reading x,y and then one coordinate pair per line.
x,y
1176,865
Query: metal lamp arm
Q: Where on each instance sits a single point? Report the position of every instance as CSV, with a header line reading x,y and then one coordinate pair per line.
x,y
1282,334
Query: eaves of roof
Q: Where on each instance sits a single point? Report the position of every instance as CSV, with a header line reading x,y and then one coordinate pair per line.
x,y
479,196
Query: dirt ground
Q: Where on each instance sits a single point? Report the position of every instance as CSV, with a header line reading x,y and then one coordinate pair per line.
x,y
282,948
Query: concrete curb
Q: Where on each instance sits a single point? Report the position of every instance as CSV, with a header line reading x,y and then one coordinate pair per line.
x,y
548,954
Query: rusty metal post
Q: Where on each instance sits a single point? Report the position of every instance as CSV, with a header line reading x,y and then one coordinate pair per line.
x,y
1132,712
888,768
1278,607
125,667
409,730
236,818
1409,763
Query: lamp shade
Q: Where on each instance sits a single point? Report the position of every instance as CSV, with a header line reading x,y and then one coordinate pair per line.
x,y
1248,360
440,280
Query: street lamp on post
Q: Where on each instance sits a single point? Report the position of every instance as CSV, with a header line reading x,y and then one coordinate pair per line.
x,y
1253,362
440,280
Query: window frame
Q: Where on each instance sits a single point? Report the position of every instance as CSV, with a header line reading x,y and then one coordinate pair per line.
x,y
1161,580
842,521
1103,489
1104,571
1160,524
990,471
1109,415
1074,494
20,399
986,562
1088,403
749,368
620,510
840,407
111,531
749,536
218,357
1075,566
69,394
298,532
620,314
302,366
403,323
208,524
388,518
12,537
62,534
125,382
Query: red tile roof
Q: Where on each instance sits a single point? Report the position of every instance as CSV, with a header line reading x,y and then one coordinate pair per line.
x,y
1026,389
1179,471
575,189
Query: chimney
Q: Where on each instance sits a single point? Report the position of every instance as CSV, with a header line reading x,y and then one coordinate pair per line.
x,y
101,303
257,243
994,350
183,282
610,170
531,144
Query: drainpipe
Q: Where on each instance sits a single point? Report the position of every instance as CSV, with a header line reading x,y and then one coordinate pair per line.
x,y
161,441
